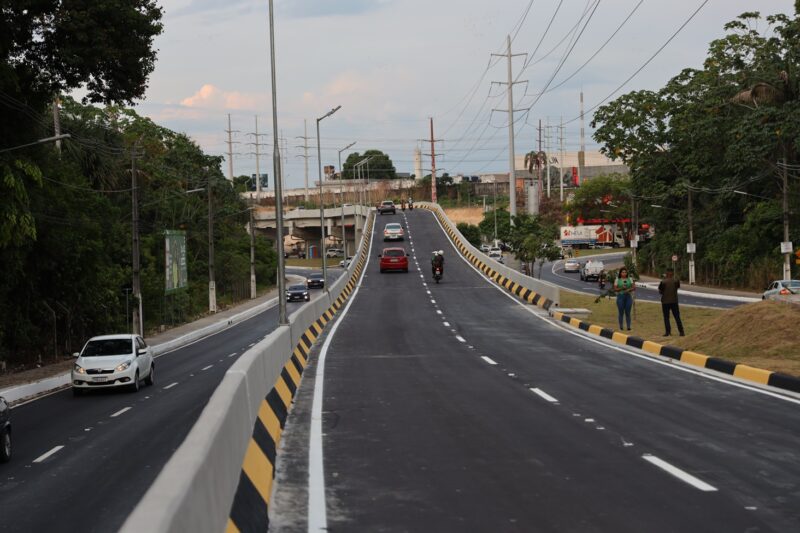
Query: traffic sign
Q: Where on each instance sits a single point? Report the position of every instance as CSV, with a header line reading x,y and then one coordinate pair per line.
x,y
675,258
786,247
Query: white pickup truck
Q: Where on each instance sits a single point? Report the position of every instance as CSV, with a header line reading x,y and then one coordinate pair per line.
x,y
591,270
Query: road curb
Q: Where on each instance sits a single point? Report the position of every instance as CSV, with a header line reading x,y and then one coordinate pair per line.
x,y
741,371
524,293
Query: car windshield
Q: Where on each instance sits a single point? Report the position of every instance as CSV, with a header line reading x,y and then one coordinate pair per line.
x,y
315,276
394,253
388,202
297,288
393,226
793,284
100,348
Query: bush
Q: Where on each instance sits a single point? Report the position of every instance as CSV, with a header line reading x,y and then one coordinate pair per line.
x,y
470,232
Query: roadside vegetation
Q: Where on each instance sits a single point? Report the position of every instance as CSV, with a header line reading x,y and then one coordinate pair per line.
x,y
723,138
66,215
762,334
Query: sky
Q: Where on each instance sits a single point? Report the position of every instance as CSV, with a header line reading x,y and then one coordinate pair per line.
x,y
393,64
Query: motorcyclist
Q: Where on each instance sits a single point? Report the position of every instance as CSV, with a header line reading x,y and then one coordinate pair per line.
x,y
437,261
410,203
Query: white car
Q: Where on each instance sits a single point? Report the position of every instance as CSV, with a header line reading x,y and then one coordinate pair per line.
x,y
333,252
345,262
572,265
485,248
112,361
786,289
393,232
496,254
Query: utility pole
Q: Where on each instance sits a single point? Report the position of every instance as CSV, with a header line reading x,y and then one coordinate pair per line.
x,y
257,143
212,286
341,198
252,255
561,160
512,175
582,153
276,165
305,155
691,246
786,245
433,165
230,143
138,318
547,153
57,121
539,167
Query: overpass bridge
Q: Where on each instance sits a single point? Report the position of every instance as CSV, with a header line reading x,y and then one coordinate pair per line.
x,y
341,223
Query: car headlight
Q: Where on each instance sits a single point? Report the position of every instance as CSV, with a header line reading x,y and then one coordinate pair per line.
x,y
308,280
305,293
123,366
78,369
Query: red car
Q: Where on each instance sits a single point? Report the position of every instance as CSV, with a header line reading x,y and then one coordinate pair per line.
x,y
394,259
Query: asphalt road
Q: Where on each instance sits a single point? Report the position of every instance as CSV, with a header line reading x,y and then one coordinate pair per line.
x,y
554,273
451,407
108,447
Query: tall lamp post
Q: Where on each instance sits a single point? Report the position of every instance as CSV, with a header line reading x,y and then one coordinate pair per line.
x,y
321,203
341,197
276,165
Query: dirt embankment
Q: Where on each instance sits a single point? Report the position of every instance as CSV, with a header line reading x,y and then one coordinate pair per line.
x,y
763,334
470,215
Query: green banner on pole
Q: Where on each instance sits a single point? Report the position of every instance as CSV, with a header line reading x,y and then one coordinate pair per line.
x,y
175,260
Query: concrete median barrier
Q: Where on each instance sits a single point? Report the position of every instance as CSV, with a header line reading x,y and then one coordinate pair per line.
x,y
221,476
531,290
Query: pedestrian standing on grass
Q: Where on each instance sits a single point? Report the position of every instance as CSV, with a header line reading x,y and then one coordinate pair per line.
x,y
624,289
668,288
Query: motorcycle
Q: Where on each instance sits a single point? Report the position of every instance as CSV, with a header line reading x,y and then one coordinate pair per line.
x,y
437,274
410,206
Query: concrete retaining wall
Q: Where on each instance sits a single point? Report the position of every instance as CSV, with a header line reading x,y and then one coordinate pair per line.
x,y
221,476
536,291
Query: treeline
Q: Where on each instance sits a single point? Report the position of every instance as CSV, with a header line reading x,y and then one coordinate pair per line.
x,y
726,138
65,215
69,277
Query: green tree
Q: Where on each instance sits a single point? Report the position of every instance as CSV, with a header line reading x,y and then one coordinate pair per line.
x,y
470,232
733,124
503,220
380,165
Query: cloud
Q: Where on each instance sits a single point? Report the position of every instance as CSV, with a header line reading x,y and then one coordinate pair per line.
x,y
212,97
327,8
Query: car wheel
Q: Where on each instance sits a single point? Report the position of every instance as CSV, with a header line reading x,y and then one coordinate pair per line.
x,y
134,387
150,380
5,446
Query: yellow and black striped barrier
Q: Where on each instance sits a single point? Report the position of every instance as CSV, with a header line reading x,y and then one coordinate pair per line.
x,y
511,286
250,509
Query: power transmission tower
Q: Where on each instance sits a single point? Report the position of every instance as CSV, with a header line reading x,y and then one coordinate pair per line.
x,y
512,176
230,143
257,144
432,155
305,155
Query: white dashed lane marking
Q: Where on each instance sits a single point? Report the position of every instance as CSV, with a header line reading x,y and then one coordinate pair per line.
x,y
438,311
123,410
446,324
234,353
544,395
48,454
170,385
206,367
460,338
678,473
489,360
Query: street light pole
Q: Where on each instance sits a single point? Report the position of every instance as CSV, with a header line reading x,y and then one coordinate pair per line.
x,y
321,198
276,165
212,285
341,198
786,244
691,246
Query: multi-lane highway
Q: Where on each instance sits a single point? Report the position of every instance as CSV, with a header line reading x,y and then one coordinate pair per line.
x,y
82,464
554,273
453,407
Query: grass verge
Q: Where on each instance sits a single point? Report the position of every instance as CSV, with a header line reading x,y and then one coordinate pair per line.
x,y
763,334
314,262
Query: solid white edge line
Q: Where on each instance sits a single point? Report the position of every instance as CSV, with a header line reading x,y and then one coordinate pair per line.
x,y
48,454
678,473
317,510
123,410
170,385
587,336
544,395
489,360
